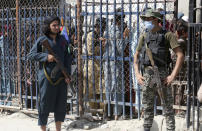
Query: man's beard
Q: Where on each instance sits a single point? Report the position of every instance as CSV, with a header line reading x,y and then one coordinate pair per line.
x,y
52,33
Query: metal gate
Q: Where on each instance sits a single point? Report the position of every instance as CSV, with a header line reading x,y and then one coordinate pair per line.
x,y
109,81
194,74
194,66
23,26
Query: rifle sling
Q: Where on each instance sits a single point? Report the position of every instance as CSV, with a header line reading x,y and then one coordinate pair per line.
x,y
149,53
49,78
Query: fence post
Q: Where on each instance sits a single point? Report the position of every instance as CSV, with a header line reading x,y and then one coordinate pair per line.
x,y
18,54
192,15
189,62
80,74
175,13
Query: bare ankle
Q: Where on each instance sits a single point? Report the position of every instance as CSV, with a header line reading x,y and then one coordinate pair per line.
x,y
43,128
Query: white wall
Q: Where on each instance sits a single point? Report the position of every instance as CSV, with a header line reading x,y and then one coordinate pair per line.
x,y
183,6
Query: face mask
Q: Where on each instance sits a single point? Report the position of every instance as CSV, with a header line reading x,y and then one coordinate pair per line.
x,y
148,25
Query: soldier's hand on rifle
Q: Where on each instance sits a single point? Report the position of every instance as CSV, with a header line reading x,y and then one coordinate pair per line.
x,y
169,80
140,79
51,58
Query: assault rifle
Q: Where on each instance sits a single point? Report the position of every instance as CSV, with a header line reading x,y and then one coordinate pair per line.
x,y
60,65
156,78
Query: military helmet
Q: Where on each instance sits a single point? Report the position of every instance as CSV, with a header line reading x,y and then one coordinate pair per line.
x,y
152,13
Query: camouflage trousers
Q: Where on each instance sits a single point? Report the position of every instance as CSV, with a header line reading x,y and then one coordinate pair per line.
x,y
148,100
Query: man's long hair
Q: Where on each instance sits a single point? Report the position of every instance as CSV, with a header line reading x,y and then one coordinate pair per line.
x,y
46,26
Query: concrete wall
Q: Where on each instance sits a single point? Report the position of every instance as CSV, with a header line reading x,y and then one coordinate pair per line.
x,y
183,6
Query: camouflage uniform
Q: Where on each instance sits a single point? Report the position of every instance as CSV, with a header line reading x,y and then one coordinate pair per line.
x,y
158,43
148,100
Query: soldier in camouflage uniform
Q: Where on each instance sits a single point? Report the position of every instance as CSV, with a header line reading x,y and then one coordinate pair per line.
x,y
159,42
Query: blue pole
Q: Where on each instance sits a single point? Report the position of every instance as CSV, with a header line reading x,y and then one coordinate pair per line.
x,y
70,19
93,48
114,42
77,97
20,53
7,57
35,64
101,34
108,94
138,34
12,53
164,16
86,59
46,10
30,45
122,55
2,51
130,63
155,4
64,14
146,1
57,12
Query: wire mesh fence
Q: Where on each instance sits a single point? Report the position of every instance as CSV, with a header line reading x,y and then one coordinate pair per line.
x,y
108,68
108,72
22,81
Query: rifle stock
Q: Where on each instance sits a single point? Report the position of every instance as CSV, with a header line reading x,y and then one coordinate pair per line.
x,y
159,85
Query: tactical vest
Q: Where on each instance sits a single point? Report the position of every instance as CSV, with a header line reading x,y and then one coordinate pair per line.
x,y
160,51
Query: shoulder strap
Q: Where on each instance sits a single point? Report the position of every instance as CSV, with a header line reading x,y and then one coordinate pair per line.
x,y
149,53
146,37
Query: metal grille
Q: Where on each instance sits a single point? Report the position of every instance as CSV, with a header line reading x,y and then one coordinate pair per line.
x,y
31,16
120,65
194,75
30,19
